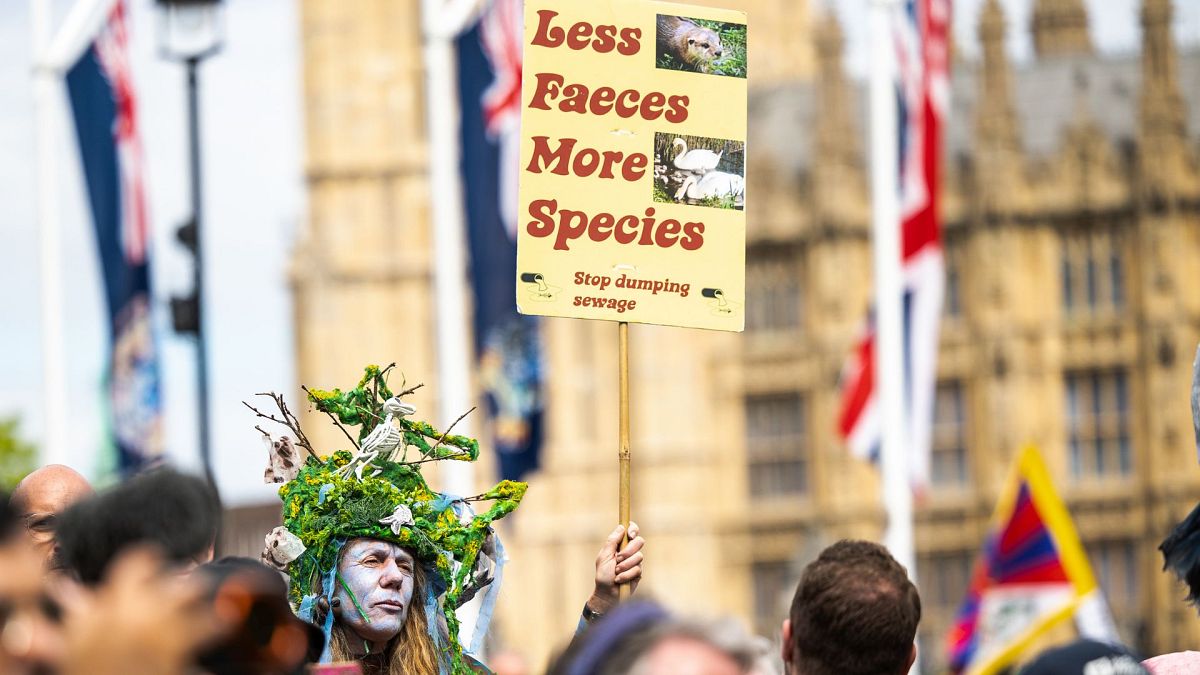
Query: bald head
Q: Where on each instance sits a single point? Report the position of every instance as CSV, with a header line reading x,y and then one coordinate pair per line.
x,y
41,496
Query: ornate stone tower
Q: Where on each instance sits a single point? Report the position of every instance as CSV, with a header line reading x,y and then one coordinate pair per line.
x,y
1060,27
361,272
1162,129
999,148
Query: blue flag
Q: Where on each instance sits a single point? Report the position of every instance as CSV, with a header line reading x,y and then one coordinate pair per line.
x,y
100,86
507,343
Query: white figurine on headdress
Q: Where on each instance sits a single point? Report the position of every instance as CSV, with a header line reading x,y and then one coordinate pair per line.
x,y
283,459
383,440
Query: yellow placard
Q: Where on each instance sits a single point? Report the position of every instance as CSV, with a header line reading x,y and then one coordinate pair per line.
x,y
632,189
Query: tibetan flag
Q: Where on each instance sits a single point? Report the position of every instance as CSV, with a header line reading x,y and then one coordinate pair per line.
x,y
507,343
920,41
104,103
1032,576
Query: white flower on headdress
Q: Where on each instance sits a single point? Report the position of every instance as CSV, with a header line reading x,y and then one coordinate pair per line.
x,y
400,517
282,548
283,460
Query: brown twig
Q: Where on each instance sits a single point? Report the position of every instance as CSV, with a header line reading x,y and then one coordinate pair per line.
x,y
367,411
289,420
375,382
447,431
461,455
336,422
410,390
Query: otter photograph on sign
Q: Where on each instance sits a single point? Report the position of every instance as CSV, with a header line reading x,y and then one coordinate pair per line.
x,y
699,171
701,46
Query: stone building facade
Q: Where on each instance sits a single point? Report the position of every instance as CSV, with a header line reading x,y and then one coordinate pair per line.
x,y
1071,219
1072,233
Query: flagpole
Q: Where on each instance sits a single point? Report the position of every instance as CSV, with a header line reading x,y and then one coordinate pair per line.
x,y
885,215
624,454
441,22
54,373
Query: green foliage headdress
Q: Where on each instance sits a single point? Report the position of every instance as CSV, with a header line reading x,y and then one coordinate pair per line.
x,y
377,491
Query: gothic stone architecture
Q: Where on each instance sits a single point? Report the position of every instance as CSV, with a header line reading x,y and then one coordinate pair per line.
x,y
1072,232
1072,228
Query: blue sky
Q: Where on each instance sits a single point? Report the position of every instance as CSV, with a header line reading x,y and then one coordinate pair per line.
x,y
254,201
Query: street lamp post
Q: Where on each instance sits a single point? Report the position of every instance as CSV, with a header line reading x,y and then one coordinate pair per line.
x,y
191,31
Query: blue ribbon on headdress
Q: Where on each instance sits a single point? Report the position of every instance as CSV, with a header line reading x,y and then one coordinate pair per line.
x,y
308,603
433,589
487,603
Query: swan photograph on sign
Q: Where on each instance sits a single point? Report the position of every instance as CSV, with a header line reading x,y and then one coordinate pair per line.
x,y
699,171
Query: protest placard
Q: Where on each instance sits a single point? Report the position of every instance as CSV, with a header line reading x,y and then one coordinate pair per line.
x,y
632,184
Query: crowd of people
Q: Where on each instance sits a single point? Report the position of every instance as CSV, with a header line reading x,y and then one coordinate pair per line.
x,y
370,565
125,581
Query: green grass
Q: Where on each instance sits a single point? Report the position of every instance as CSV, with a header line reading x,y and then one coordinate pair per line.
x,y
660,194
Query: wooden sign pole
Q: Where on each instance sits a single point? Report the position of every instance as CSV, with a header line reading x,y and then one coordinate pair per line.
x,y
624,453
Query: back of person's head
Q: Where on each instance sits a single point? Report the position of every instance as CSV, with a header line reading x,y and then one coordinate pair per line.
x,y
854,613
264,636
640,638
177,513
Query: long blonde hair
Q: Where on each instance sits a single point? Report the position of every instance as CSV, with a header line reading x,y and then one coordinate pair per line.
x,y
410,653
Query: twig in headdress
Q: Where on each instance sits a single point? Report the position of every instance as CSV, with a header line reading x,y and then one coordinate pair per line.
x,y
336,422
410,390
289,420
445,433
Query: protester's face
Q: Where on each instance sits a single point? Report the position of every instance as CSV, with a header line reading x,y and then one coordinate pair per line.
x,y
30,641
380,576
41,498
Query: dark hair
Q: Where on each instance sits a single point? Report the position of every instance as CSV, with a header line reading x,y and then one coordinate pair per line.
x,y
265,636
854,613
10,520
620,642
176,512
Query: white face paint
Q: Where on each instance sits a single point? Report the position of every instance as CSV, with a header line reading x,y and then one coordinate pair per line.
x,y
380,575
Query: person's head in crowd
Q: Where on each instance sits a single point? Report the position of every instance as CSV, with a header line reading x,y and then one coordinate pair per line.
x,y
1085,657
265,638
1175,663
177,513
30,638
641,638
855,612
40,499
508,662
1181,554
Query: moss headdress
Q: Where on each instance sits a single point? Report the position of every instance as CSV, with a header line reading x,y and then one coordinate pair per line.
x,y
377,491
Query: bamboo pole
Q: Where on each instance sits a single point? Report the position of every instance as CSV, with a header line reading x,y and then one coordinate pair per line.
x,y
624,454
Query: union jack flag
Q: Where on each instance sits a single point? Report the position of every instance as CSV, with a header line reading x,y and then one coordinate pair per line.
x,y
922,92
